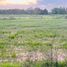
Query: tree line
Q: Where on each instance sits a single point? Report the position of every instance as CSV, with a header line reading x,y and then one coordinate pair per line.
x,y
34,11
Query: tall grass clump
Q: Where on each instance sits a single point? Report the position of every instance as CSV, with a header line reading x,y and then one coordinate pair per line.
x,y
13,36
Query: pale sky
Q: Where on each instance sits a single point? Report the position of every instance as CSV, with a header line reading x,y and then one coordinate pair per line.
x,y
19,4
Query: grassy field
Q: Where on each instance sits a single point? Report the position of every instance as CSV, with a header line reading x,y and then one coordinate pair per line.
x,y
33,40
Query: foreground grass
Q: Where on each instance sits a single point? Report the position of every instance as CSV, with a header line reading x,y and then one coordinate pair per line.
x,y
7,64
33,64
33,36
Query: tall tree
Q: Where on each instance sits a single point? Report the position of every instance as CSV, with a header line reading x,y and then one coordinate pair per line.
x,y
45,11
59,11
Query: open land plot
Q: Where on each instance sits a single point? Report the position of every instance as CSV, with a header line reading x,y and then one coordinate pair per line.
x,y
33,40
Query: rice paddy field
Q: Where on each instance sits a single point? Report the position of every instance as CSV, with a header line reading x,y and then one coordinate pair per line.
x,y
33,40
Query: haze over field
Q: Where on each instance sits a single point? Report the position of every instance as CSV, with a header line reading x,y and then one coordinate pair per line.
x,y
19,4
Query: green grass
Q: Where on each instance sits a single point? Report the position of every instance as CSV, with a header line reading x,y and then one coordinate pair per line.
x,y
44,64
33,64
31,33
7,64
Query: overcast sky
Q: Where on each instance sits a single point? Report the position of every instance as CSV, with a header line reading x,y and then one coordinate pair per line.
x,y
19,4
